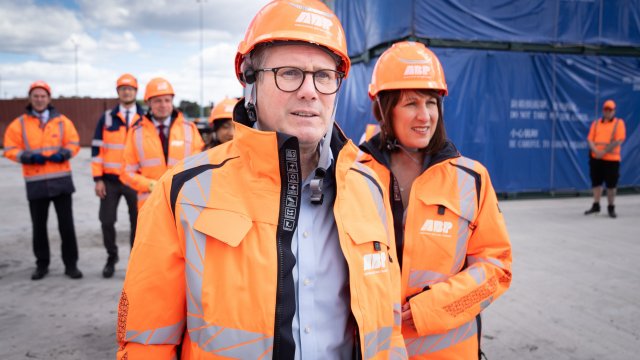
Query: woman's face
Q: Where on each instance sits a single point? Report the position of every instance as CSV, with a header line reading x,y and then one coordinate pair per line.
x,y
225,132
415,117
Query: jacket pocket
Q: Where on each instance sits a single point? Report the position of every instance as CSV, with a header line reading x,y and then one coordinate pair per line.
x,y
227,226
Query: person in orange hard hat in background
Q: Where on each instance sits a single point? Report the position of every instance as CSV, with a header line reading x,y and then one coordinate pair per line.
x,y
221,122
43,141
605,137
107,158
277,244
157,141
454,250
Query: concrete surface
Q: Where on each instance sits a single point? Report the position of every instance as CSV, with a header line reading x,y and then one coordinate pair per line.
x,y
575,291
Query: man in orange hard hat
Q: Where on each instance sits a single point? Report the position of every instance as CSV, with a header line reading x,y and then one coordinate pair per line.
x,y
277,244
107,159
43,141
157,141
605,137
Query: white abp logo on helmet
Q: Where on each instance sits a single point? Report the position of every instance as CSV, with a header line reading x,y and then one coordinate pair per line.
x,y
163,86
315,19
417,70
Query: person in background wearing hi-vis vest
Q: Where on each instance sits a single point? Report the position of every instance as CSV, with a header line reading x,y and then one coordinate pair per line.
x,y
452,240
605,137
157,141
277,244
43,141
107,158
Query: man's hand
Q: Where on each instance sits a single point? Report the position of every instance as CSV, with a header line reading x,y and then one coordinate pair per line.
x,y
407,317
101,190
152,184
599,154
56,158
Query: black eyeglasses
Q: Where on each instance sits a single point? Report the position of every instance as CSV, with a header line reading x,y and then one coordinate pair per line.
x,y
290,79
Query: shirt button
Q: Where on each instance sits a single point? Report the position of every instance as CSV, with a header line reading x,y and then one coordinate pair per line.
x,y
307,282
305,234
307,329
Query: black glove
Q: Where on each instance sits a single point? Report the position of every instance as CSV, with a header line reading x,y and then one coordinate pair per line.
x,y
37,158
56,158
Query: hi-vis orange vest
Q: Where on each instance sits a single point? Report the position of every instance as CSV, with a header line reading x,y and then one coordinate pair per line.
x,y
603,132
144,158
456,255
27,134
204,271
107,146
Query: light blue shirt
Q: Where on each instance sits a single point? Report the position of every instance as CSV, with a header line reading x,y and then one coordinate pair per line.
x,y
322,325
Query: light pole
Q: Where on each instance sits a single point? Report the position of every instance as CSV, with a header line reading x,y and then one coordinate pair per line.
x,y
201,2
75,45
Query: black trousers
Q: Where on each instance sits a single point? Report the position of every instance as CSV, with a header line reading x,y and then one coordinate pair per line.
x,y
109,214
39,210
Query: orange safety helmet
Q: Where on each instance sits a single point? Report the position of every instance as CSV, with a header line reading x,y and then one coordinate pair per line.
x,y
224,110
407,65
295,20
127,80
156,87
609,104
40,84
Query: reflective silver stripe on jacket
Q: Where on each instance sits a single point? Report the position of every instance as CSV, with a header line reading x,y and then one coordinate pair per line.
x,y
54,175
96,160
467,188
143,196
422,278
108,120
110,165
150,162
95,142
171,334
376,341
432,343
375,194
221,341
113,146
188,139
138,140
25,139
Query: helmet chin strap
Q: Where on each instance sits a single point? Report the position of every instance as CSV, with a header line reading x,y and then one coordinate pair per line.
x,y
317,197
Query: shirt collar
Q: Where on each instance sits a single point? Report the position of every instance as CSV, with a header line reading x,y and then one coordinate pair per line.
x,y
132,110
43,116
166,122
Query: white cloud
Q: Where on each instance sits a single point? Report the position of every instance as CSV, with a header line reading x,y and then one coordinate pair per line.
x,y
146,38
26,27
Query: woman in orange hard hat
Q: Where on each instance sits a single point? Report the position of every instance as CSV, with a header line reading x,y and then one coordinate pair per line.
x,y
451,238
157,141
220,122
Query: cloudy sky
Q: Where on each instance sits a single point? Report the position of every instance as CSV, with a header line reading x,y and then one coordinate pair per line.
x,y
147,38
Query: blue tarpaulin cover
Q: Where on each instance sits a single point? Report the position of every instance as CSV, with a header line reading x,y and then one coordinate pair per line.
x,y
524,115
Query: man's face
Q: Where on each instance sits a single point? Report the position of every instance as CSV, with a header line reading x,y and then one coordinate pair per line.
x,y
608,113
304,113
39,99
161,106
127,94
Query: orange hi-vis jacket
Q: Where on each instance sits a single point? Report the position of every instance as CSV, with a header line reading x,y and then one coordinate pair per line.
x,y
107,146
455,251
26,134
209,266
603,132
144,158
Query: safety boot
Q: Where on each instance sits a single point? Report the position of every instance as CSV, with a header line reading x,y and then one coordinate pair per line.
x,y
110,267
612,211
595,208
